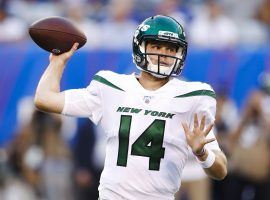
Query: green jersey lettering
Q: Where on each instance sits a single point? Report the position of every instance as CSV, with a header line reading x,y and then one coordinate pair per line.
x,y
148,144
126,109
169,115
135,110
120,109
146,112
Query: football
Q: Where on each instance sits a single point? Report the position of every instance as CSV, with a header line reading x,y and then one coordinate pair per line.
x,y
56,34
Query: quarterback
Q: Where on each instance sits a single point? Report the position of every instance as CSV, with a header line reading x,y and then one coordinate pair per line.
x,y
151,120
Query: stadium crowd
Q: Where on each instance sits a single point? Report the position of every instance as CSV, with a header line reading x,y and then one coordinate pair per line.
x,y
232,22
42,162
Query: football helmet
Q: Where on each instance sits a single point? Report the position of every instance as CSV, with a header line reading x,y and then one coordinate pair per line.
x,y
164,29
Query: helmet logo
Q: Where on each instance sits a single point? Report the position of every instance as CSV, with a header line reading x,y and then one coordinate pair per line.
x,y
147,99
143,27
168,34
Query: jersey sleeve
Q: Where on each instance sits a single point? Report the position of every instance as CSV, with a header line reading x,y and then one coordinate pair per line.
x,y
206,105
84,102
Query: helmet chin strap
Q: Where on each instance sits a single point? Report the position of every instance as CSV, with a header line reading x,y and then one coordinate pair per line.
x,y
157,76
153,74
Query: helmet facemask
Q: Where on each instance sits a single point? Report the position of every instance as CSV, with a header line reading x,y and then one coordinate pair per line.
x,y
161,68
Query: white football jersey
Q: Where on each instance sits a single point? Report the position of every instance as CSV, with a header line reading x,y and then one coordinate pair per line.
x,y
146,146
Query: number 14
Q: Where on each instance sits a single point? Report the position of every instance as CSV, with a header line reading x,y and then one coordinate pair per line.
x,y
148,144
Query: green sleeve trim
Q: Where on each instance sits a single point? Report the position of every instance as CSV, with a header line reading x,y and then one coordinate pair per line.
x,y
106,82
209,93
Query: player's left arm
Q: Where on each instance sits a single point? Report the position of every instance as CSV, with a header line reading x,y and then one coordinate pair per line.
x,y
200,136
214,162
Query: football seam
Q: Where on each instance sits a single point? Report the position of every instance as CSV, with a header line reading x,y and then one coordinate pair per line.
x,y
58,32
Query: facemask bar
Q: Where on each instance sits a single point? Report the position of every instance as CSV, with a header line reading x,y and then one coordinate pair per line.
x,y
159,70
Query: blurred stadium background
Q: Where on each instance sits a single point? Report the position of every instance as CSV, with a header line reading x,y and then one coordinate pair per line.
x,y
47,157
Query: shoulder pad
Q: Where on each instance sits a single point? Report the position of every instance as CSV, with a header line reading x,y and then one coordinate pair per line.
x,y
109,78
196,89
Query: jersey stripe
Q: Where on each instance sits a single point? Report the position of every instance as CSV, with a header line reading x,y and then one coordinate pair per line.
x,y
209,93
106,82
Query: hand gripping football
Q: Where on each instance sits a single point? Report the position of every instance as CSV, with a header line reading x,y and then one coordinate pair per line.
x,y
56,34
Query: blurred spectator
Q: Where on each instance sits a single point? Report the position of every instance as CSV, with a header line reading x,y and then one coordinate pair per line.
x,y
12,28
117,29
41,158
227,116
250,148
263,12
32,10
227,119
241,9
175,9
25,158
263,15
245,13
11,188
17,190
143,9
95,9
211,28
77,11
57,166
86,173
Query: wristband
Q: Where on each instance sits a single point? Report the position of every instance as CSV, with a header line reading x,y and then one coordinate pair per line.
x,y
209,160
200,154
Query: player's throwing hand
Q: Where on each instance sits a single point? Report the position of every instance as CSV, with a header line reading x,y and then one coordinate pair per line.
x,y
196,138
64,57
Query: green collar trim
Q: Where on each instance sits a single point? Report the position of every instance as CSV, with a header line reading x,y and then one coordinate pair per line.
x,y
106,82
209,93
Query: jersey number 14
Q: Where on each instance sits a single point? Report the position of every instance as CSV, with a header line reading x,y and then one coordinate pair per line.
x,y
148,144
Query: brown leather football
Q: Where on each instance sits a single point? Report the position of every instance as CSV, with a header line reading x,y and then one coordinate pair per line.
x,y
56,34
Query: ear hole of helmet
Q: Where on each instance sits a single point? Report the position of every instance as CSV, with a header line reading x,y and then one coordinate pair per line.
x,y
143,61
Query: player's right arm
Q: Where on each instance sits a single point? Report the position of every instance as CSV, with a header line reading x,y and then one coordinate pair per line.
x,y
48,97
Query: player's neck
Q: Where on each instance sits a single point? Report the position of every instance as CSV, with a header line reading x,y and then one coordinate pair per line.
x,y
149,82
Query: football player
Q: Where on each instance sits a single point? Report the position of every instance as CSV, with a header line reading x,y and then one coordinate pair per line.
x,y
149,119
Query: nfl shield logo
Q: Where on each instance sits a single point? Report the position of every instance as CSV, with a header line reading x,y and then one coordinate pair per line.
x,y
147,99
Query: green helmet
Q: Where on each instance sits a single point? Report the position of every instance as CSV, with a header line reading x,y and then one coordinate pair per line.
x,y
159,28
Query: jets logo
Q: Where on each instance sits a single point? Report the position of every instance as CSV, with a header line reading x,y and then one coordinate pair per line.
x,y
168,34
143,27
